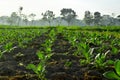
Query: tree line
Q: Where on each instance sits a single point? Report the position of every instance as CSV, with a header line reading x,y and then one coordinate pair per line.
x,y
67,14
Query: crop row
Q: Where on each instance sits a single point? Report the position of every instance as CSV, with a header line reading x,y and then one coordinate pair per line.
x,y
12,38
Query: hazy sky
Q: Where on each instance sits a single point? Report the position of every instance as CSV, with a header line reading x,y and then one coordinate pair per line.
x,y
39,6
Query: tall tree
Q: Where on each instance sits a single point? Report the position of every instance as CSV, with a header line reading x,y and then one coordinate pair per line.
x,y
88,17
48,16
32,16
25,19
118,17
13,19
68,14
106,20
20,14
97,18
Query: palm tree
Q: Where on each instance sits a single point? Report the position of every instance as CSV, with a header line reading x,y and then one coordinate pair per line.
x,y
20,14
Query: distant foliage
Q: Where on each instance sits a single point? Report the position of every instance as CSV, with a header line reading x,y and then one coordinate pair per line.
x,y
68,14
68,17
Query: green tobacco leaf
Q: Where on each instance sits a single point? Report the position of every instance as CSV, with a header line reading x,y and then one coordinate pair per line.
x,y
115,50
109,62
48,49
117,67
40,55
111,75
40,67
31,66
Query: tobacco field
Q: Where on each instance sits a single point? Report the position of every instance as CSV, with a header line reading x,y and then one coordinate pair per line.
x,y
59,53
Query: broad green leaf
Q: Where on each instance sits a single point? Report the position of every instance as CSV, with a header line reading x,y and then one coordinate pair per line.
x,y
48,49
117,67
39,67
31,66
115,50
111,75
40,55
109,62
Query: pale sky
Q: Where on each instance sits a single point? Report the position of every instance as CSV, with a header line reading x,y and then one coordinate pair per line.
x,y
79,6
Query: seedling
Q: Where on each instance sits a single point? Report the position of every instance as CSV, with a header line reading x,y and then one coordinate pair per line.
x,y
115,50
88,57
8,46
68,63
48,45
40,68
52,34
100,59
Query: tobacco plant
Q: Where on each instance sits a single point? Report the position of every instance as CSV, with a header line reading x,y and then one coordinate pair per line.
x,y
68,63
114,50
52,34
40,68
8,46
87,53
114,75
99,60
